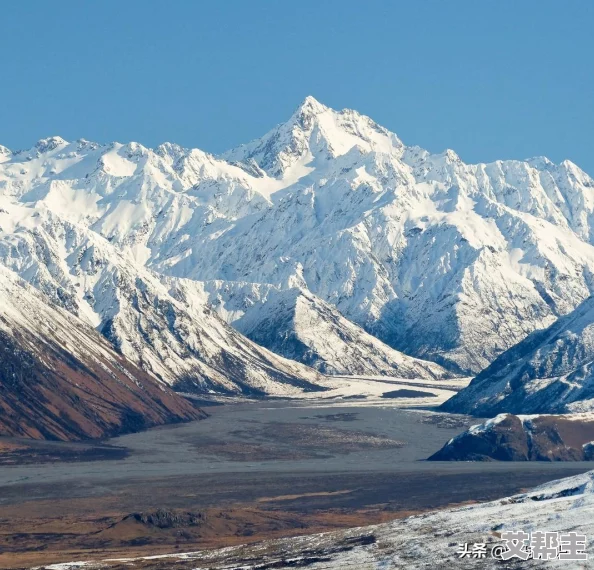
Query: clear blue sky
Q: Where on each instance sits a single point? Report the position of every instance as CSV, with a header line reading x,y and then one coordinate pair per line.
x,y
490,79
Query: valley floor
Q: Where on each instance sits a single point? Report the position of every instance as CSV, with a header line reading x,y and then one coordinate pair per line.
x,y
251,472
429,541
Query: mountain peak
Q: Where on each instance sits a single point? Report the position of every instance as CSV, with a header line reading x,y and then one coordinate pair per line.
x,y
49,144
311,106
314,134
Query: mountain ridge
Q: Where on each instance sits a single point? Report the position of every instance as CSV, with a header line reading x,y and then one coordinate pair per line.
x,y
60,380
550,371
440,260
300,326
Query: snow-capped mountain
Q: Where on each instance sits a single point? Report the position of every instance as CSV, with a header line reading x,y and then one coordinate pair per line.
x,y
179,340
59,379
300,326
441,260
551,371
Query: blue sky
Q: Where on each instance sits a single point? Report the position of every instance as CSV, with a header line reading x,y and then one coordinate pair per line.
x,y
489,79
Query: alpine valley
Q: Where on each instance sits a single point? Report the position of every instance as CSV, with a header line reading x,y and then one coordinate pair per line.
x,y
331,287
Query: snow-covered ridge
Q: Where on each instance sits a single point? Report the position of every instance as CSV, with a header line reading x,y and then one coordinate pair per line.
x,y
178,340
60,379
551,371
299,325
438,259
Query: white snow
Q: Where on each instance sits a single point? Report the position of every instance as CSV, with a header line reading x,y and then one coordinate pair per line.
x,y
115,164
438,259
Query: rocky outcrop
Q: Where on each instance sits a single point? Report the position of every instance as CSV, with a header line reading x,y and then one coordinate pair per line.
x,y
524,438
162,518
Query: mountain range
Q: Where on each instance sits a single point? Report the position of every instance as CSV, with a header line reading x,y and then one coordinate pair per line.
x,y
327,245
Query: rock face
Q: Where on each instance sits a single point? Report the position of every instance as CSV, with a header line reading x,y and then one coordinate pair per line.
x,y
551,371
439,259
300,326
524,438
162,518
60,379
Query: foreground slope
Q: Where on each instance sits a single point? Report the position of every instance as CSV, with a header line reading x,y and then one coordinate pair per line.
x,y
59,379
299,325
426,541
551,371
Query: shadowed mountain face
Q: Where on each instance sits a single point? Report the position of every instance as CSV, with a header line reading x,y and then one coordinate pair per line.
x,y
551,371
524,438
60,379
